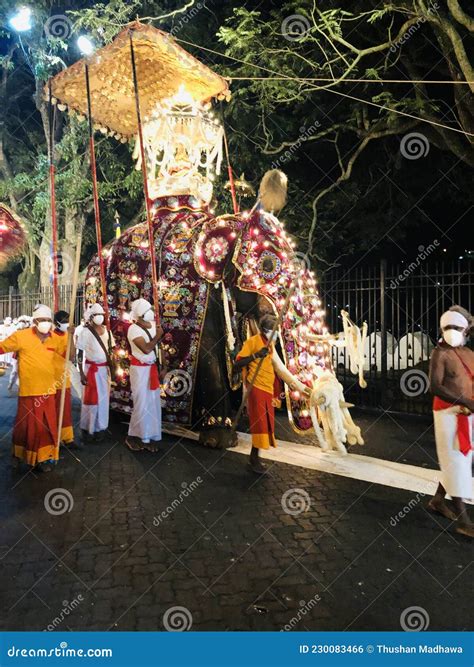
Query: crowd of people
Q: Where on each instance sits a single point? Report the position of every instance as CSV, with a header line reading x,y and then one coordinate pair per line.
x,y
36,349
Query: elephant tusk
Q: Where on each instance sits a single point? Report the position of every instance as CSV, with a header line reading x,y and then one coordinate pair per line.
x,y
345,404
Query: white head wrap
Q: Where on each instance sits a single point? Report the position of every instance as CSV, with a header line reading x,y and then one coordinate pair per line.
x,y
42,311
139,307
454,318
7,320
94,309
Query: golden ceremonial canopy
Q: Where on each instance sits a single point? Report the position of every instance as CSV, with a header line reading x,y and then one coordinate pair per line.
x,y
162,68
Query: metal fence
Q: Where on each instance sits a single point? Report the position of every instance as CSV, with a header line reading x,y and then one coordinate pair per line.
x,y
402,306
15,302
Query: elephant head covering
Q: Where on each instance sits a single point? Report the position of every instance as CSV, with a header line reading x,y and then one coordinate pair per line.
x,y
139,307
42,311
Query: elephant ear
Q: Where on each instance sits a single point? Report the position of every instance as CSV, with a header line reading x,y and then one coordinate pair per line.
x,y
215,246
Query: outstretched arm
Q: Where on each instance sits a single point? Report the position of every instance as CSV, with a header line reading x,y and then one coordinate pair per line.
x,y
242,362
285,375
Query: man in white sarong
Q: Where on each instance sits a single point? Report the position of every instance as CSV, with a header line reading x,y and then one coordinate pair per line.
x,y
143,336
451,383
96,343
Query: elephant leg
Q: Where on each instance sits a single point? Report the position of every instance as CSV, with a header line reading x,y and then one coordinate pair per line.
x,y
212,415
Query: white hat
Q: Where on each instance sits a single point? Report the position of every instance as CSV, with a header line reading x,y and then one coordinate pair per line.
x,y
454,318
94,309
139,307
7,320
42,311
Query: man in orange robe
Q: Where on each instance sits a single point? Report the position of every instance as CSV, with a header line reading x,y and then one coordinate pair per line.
x,y
35,430
264,395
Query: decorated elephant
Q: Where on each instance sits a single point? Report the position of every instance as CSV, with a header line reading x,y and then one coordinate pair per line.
x,y
216,277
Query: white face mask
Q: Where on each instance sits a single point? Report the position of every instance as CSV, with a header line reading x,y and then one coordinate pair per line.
x,y
44,327
63,327
98,319
149,316
453,337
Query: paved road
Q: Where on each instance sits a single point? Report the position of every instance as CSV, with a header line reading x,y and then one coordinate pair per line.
x,y
192,528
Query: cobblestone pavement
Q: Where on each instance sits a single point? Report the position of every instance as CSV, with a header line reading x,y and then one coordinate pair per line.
x,y
193,528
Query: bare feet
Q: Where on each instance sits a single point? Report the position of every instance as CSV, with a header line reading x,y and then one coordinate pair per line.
x,y
134,444
466,529
440,507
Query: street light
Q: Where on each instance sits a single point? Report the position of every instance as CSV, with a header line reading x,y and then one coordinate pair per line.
x,y
21,21
85,45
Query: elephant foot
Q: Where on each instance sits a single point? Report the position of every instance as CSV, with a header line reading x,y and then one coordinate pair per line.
x,y
218,438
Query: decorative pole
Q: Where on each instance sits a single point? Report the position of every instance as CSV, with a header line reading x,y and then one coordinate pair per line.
x,y
52,194
103,284
151,240
229,168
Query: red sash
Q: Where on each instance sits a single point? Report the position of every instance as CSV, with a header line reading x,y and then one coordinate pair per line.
x,y
154,377
91,396
464,435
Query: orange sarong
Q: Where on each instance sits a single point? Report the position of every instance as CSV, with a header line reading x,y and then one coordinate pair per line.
x,y
35,430
67,432
262,418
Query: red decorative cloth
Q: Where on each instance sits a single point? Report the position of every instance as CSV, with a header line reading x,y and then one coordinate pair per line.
x,y
464,435
91,396
154,376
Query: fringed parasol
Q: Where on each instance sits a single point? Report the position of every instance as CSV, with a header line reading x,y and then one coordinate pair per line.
x,y
12,235
162,66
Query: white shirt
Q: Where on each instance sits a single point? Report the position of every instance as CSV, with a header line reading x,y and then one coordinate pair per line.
x,y
87,342
135,331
